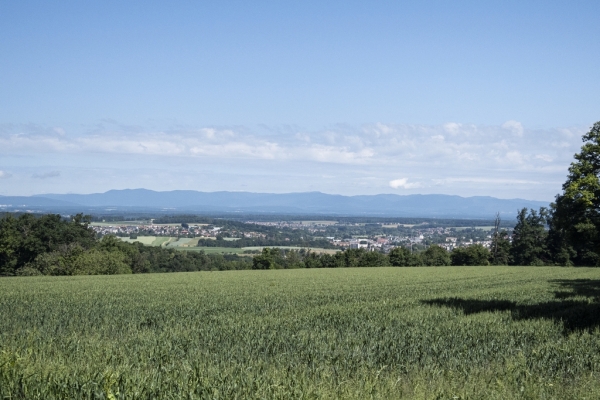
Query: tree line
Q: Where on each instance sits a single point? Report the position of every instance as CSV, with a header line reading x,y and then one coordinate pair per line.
x,y
52,245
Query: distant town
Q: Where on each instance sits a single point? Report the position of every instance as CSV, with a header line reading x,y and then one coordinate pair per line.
x,y
381,237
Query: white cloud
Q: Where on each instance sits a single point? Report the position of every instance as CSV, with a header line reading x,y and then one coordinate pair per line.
x,y
514,157
403,183
514,126
303,137
380,129
439,155
332,154
486,181
4,175
452,128
544,157
46,175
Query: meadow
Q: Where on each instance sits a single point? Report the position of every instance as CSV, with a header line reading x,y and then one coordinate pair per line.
x,y
426,333
188,244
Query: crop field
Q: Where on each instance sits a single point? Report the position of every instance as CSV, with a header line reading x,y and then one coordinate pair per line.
x,y
192,242
215,250
241,250
426,333
164,241
191,245
314,250
147,240
160,240
181,242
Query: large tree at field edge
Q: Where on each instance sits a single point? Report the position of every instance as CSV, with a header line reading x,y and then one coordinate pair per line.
x,y
575,224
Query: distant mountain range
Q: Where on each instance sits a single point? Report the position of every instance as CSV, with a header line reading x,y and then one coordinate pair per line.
x,y
189,201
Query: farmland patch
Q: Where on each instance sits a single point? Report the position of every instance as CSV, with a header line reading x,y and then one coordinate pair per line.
x,y
453,332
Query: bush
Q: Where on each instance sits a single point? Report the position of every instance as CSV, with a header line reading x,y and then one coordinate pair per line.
x,y
435,256
471,255
100,262
27,271
402,257
74,260
373,259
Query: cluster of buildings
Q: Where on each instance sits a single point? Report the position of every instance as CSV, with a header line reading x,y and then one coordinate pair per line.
x,y
154,230
377,243
447,238
386,243
172,230
310,226
453,242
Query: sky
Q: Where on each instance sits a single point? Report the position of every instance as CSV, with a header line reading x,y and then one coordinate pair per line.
x,y
471,98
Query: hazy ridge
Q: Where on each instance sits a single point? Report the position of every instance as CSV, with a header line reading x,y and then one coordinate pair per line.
x,y
430,205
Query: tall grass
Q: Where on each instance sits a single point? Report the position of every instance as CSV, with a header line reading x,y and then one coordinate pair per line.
x,y
447,333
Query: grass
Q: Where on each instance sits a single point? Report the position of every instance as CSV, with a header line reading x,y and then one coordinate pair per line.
x,y
192,242
426,333
180,242
147,240
314,250
160,240
190,245
214,250
240,250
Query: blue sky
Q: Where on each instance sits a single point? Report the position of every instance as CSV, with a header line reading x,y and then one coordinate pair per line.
x,y
467,98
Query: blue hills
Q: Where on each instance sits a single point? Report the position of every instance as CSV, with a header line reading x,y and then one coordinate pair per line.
x,y
316,203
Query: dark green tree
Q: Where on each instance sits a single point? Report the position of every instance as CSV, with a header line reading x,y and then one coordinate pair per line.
x,y
475,254
575,215
312,260
24,238
268,259
351,257
435,256
373,259
402,257
500,249
529,241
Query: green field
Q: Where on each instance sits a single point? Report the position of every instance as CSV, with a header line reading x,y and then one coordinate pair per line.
x,y
191,245
214,250
240,250
160,240
163,241
427,333
314,250
181,242
147,240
